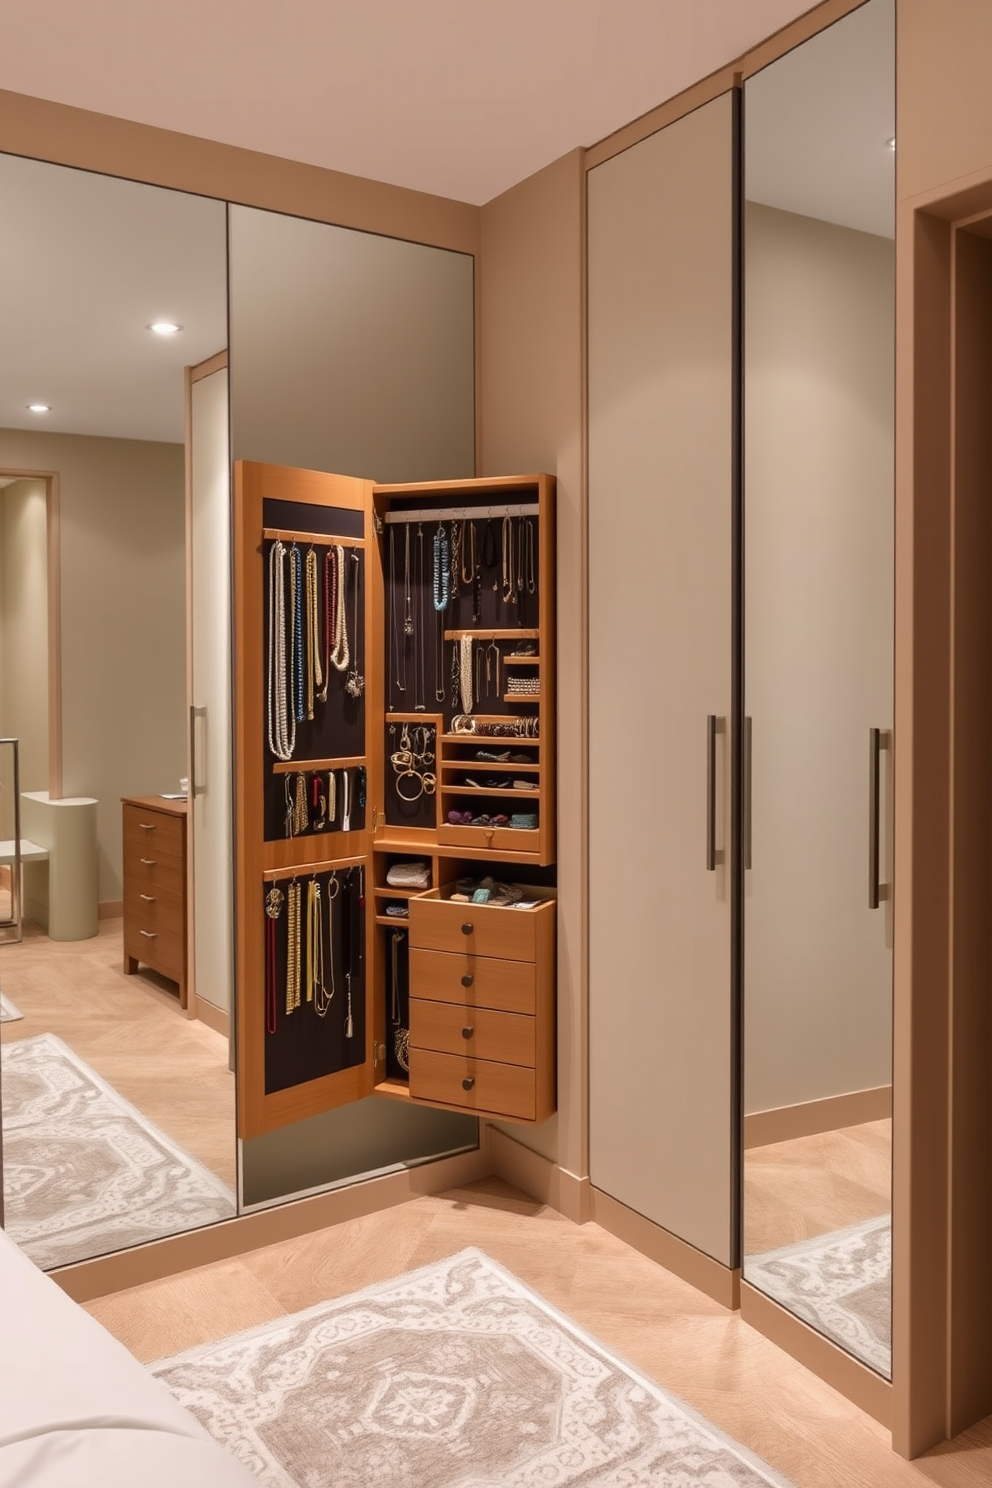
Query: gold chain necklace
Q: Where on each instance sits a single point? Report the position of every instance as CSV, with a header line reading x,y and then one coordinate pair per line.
x,y
293,947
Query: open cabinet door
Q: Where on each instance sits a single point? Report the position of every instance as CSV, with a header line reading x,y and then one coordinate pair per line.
x,y
305,594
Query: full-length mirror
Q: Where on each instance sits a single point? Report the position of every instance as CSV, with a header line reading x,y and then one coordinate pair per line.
x,y
818,539
118,1107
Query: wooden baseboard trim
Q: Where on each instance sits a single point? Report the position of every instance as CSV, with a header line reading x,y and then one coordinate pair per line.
x,y
214,1017
855,1381
722,1283
234,1237
785,1123
110,909
540,1177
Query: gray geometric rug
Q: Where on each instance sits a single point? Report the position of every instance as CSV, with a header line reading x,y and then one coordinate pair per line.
x,y
8,1012
840,1283
455,1374
84,1171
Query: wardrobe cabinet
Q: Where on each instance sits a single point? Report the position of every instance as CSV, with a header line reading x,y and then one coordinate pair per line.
x,y
394,747
662,265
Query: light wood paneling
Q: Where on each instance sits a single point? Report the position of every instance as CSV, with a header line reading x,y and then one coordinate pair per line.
x,y
661,503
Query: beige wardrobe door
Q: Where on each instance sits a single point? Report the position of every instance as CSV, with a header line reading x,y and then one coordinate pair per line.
x,y
661,481
211,848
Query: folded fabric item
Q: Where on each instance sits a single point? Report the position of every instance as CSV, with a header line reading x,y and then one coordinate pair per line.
x,y
522,759
525,785
409,876
497,756
500,894
459,818
397,911
524,820
523,648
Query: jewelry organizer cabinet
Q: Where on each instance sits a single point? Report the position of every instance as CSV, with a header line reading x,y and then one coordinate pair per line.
x,y
154,876
394,747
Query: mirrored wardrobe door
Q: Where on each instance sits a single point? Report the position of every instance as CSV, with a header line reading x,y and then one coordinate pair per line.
x,y
818,400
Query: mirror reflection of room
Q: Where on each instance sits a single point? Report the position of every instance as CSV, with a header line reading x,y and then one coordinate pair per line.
x,y
118,1099
819,335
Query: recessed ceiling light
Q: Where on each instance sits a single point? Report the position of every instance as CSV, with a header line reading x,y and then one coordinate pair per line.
x,y
891,143
39,408
165,327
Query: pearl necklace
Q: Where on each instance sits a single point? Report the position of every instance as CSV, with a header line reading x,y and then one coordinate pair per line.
x,y
315,675
339,656
282,725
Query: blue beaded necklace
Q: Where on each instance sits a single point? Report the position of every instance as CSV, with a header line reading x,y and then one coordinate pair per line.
x,y
442,569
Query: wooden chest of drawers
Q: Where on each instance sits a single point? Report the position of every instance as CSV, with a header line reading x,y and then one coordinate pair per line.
x,y
482,1007
155,887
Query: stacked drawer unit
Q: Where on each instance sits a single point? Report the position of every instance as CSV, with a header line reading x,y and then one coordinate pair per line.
x,y
155,887
482,1007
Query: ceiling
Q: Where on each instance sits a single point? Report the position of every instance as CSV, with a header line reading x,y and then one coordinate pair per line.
x,y
817,123
462,98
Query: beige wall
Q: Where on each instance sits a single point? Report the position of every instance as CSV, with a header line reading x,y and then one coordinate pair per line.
x,y
532,299
24,627
819,306
123,619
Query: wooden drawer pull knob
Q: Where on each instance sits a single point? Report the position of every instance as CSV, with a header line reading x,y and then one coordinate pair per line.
x,y
468,1082
467,928
467,1031
150,934
467,979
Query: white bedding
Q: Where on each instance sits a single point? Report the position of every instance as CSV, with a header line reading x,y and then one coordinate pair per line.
x,y
78,1411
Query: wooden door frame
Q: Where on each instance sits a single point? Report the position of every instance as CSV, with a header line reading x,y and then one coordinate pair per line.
x,y
54,578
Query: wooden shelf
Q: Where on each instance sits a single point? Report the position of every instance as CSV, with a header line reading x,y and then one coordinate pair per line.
x,y
493,635
392,1089
497,790
300,767
500,767
522,697
515,661
385,891
483,741
392,920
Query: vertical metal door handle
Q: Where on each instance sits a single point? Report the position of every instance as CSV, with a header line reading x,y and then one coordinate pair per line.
x,y
194,713
711,793
746,824
874,814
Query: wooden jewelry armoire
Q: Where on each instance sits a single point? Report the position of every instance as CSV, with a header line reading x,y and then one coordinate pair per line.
x,y
413,760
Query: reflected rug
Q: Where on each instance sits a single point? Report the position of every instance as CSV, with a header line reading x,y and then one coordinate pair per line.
x,y
8,1012
84,1172
840,1283
455,1374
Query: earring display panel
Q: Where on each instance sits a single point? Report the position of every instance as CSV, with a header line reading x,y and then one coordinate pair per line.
x,y
469,636
314,975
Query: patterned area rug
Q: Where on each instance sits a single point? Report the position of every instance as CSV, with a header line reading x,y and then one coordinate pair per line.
x,y
456,1374
84,1172
839,1283
8,1012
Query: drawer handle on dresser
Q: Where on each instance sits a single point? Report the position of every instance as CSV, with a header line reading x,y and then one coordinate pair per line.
x,y
148,898
467,928
467,1031
468,1082
149,934
149,862
147,826
467,979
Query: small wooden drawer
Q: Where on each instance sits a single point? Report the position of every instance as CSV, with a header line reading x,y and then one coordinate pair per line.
x,y
161,949
477,929
473,1084
153,832
473,981
153,874
159,910
492,839
507,1038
